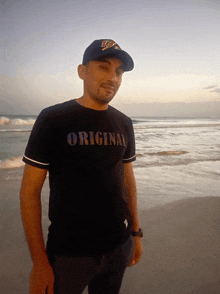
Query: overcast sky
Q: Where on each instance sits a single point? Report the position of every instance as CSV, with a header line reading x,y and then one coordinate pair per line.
x,y
175,45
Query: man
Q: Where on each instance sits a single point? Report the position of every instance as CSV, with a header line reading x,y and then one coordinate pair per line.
x,y
88,148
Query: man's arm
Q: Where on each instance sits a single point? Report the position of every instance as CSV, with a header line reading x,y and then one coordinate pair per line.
x,y
130,187
41,277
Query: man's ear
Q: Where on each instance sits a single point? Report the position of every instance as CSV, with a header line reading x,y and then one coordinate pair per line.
x,y
81,71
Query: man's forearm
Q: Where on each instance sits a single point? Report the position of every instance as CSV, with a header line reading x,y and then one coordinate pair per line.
x,y
30,201
132,205
31,217
131,191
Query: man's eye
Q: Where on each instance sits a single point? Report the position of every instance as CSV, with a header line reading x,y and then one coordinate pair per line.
x,y
120,72
104,67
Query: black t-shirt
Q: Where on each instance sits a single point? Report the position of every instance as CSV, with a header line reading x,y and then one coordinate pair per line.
x,y
84,151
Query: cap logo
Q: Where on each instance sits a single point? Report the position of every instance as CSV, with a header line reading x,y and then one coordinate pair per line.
x,y
106,44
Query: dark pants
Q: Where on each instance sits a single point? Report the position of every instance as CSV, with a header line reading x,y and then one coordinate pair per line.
x,y
103,273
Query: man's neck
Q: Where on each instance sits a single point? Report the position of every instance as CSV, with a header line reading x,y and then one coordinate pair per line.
x,y
89,103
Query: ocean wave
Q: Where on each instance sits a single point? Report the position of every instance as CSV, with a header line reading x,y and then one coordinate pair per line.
x,y
183,162
13,162
168,153
16,121
14,130
202,125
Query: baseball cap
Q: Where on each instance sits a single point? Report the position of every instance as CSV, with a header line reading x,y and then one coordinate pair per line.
x,y
105,47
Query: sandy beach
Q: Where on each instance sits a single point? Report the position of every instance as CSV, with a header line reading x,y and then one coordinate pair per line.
x,y
181,247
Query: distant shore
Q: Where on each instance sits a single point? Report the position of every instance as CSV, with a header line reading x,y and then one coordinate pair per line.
x,y
201,109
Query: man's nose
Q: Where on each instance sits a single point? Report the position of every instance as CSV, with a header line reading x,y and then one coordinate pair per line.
x,y
112,76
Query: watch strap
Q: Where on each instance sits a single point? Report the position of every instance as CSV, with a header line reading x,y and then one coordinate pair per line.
x,y
137,233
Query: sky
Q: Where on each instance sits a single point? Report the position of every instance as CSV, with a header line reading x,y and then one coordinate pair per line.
x,y
175,46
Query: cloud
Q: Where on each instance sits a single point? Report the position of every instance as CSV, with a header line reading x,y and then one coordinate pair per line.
x,y
213,89
210,87
217,90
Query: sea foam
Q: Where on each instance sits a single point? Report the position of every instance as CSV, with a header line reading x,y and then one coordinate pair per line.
x,y
16,121
13,162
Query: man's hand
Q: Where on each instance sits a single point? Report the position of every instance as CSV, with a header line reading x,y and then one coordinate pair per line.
x,y
42,279
137,251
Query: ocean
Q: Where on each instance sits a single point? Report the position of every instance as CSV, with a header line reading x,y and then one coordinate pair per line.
x,y
176,157
178,184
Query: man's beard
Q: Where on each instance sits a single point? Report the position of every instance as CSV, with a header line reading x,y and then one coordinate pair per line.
x,y
101,99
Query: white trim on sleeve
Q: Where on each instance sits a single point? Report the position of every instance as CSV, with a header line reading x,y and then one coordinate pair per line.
x,y
129,158
36,161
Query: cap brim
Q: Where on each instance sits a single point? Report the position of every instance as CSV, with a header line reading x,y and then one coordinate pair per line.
x,y
122,55
126,59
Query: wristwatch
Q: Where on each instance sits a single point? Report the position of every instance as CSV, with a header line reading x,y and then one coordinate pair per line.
x,y
137,233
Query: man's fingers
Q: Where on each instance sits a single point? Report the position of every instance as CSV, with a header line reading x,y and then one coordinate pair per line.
x,y
50,289
132,261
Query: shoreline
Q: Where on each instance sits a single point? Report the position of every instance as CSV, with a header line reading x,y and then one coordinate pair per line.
x,y
181,246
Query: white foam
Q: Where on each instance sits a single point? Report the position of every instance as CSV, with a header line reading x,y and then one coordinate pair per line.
x,y
16,121
22,122
4,120
13,162
14,130
168,153
175,126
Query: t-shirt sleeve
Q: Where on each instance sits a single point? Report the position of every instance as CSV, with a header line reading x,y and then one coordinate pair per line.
x,y
129,155
37,152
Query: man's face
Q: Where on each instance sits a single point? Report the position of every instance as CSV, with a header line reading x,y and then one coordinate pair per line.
x,y
102,79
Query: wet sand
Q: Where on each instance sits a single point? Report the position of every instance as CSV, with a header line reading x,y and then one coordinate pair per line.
x,y
181,247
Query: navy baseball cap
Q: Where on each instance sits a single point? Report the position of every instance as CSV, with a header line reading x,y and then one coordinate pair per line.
x,y
105,47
